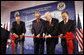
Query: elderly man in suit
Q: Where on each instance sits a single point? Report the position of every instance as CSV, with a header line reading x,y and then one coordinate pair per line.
x,y
37,31
66,25
51,29
18,30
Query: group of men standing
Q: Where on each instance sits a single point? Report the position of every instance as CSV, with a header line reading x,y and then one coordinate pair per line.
x,y
51,28
41,28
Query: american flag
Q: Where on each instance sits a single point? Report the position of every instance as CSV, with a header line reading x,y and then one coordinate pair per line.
x,y
7,26
79,35
8,41
4,26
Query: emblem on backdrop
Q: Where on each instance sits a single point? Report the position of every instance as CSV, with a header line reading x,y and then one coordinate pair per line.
x,y
61,6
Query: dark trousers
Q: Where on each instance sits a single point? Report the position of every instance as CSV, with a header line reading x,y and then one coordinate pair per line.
x,y
3,46
39,46
64,45
21,47
50,46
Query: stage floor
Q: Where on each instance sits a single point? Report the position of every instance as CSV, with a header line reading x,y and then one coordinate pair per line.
x,y
31,51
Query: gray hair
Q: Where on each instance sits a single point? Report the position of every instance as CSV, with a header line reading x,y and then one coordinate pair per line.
x,y
48,13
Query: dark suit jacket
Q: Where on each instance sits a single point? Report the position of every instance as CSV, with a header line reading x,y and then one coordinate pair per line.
x,y
68,27
37,28
4,34
18,29
53,30
4,37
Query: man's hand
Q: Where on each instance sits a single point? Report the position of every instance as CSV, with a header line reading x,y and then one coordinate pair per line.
x,y
48,36
38,35
33,36
61,35
16,35
21,36
43,34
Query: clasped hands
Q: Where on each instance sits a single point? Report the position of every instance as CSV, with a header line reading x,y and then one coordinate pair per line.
x,y
46,36
36,36
21,36
43,35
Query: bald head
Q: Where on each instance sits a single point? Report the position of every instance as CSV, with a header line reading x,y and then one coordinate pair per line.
x,y
48,16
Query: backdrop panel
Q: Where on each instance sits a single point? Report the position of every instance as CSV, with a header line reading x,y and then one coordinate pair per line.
x,y
27,15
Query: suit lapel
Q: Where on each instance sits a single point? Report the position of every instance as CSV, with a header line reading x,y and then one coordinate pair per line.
x,y
39,25
67,25
19,27
52,23
63,26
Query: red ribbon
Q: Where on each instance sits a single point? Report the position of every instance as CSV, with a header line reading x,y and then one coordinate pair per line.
x,y
69,37
13,39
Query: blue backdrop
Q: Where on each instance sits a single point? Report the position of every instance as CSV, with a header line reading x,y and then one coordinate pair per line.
x,y
27,15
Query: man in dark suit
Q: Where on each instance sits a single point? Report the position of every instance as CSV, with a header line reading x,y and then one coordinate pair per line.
x,y
18,30
37,31
51,29
4,37
66,25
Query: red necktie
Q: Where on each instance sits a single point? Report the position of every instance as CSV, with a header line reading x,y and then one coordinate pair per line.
x,y
49,24
37,23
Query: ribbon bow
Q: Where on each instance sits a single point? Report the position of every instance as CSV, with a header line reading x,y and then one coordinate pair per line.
x,y
13,39
69,37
